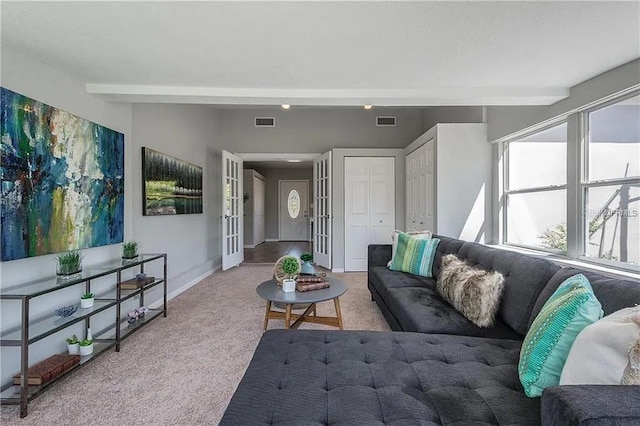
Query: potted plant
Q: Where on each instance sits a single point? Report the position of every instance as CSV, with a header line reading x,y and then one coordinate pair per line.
x,y
73,345
68,264
290,267
86,347
307,266
86,300
130,250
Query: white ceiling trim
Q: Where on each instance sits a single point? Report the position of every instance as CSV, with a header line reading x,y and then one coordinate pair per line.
x,y
258,156
329,97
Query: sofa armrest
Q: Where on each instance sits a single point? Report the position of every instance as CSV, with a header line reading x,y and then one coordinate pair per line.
x,y
591,405
378,255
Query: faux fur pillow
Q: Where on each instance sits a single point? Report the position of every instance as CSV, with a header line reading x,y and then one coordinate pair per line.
x,y
474,293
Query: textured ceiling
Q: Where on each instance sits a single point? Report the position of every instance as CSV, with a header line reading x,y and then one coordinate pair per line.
x,y
405,53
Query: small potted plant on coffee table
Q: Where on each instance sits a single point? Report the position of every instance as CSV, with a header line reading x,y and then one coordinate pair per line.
x,y
73,345
86,300
307,266
68,264
86,347
130,250
291,267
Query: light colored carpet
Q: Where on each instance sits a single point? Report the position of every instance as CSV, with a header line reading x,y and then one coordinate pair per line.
x,y
183,369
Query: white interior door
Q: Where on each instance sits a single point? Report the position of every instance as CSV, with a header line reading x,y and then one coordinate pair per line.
x,y
369,206
322,210
232,224
259,221
293,210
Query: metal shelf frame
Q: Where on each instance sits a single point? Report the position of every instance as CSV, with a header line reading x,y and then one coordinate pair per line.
x,y
32,331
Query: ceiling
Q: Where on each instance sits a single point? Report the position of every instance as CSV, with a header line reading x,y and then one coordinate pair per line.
x,y
327,53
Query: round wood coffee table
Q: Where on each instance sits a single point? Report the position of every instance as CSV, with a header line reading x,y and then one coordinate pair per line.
x,y
272,292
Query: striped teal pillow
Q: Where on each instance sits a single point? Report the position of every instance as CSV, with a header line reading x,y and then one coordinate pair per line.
x,y
414,255
572,307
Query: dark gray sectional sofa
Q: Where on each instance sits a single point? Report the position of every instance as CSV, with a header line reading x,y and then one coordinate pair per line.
x,y
435,367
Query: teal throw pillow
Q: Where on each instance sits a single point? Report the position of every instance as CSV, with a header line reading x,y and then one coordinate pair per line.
x,y
545,349
414,255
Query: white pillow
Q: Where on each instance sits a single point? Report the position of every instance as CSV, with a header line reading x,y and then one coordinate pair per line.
x,y
600,353
423,235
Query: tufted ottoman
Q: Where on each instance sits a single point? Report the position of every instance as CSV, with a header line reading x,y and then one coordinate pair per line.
x,y
309,377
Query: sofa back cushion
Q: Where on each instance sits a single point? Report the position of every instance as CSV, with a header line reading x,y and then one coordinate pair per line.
x,y
613,293
446,246
524,279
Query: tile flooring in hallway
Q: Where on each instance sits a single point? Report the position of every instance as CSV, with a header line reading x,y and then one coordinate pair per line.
x,y
269,252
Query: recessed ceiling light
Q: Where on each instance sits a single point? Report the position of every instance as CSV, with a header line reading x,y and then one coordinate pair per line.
x,y
368,106
286,106
294,161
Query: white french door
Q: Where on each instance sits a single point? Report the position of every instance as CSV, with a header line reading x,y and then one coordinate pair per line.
x,y
232,225
369,201
322,210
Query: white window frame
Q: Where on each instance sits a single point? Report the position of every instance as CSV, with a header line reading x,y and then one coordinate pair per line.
x,y
506,191
576,186
585,184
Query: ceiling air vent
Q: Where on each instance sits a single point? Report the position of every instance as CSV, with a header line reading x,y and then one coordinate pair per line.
x,y
385,121
265,122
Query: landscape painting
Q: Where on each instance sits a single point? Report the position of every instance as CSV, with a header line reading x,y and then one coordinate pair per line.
x,y
170,186
62,180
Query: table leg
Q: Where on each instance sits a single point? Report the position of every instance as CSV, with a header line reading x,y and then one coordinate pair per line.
x,y
266,315
336,302
315,314
287,317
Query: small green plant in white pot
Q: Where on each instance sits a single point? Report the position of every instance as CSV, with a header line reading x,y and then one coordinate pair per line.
x,y
86,300
73,344
69,264
86,347
291,267
130,250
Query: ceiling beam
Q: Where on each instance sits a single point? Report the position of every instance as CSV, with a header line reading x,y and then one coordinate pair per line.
x,y
460,96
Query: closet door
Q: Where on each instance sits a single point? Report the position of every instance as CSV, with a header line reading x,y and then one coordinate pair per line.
x,y
369,207
412,205
427,187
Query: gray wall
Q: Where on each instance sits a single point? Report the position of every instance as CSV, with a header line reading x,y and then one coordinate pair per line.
x,y
505,120
191,241
29,77
318,130
272,176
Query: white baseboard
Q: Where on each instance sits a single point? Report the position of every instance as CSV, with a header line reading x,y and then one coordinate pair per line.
x,y
271,240
185,287
337,270
249,246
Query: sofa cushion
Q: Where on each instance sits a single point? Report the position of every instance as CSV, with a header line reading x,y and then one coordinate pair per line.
x,y
383,278
473,292
600,353
524,279
421,309
415,255
570,309
376,378
426,234
614,293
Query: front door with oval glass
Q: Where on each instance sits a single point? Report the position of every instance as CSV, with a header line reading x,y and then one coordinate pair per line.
x,y
294,210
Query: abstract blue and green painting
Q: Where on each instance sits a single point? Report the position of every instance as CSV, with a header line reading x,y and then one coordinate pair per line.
x,y
62,180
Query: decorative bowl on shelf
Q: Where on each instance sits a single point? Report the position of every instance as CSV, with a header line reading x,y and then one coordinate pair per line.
x,y
66,311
